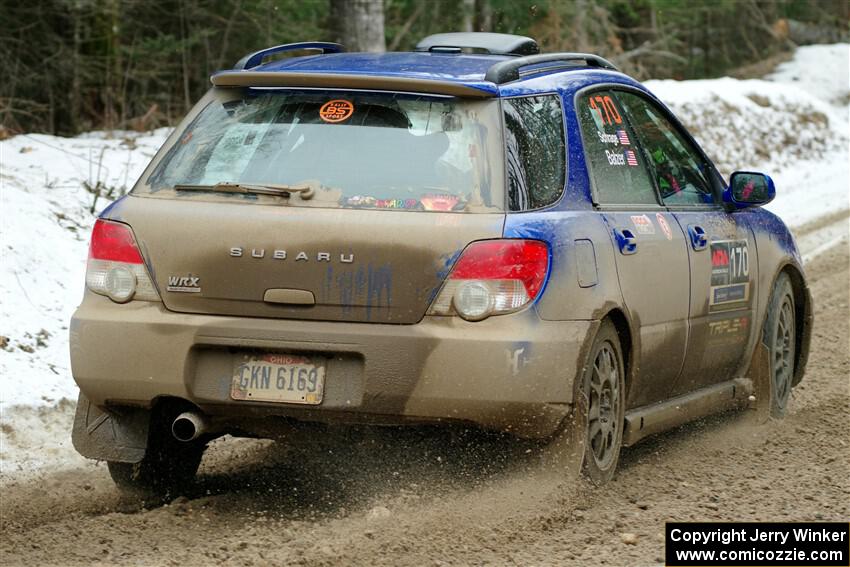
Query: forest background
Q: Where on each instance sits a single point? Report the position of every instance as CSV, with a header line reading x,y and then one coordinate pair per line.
x,y
71,66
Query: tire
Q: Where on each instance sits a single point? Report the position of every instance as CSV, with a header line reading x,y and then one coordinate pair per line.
x,y
602,390
780,336
168,468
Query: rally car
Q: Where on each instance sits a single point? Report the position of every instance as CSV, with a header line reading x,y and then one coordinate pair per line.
x,y
472,232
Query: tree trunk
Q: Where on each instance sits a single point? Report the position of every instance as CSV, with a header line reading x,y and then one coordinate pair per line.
x,y
483,16
74,115
580,26
359,24
468,8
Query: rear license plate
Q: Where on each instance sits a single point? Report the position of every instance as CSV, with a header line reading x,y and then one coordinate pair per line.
x,y
285,378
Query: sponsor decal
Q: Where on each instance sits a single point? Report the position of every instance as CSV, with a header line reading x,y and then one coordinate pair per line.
x,y
730,262
372,202
439,202
396,203
728,331
359,201
730,274
631,159
643,224
729,294
665,228
719,259
184,284
335,111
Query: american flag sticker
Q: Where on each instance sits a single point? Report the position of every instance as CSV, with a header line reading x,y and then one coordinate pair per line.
x,y
623,138
630,157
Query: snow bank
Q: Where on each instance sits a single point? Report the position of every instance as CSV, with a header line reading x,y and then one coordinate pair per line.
x,y
798,113
44,230
820,70
793,125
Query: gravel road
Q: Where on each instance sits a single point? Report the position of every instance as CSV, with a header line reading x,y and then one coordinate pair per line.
x,y
434,497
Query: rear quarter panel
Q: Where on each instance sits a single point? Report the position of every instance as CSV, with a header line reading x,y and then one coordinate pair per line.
x,y
569,293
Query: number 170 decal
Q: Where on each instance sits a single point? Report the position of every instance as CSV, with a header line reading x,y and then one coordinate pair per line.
x,y
604,107
730,274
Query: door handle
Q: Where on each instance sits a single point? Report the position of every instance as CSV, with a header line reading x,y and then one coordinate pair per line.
x,y
698,239
626,241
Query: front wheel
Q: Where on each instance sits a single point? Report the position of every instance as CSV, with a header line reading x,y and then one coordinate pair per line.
x,y
780,335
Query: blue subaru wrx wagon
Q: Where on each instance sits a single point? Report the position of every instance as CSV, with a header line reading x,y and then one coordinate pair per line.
x,y
473,232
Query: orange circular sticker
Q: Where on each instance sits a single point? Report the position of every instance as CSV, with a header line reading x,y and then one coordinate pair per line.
x,y
336,110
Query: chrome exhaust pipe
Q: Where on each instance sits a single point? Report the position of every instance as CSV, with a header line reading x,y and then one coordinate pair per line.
x,y
188,426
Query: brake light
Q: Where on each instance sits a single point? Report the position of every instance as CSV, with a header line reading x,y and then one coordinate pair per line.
x,y
493,277
114,241
115,266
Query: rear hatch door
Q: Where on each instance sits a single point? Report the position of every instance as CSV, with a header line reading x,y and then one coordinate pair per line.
x,y
233,257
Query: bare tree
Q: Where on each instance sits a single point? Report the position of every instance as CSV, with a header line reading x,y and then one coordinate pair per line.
x,y
360,24
483,15
468,11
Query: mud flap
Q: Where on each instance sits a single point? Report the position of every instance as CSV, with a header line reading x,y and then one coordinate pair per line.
x,y
105,435
762,386
566,452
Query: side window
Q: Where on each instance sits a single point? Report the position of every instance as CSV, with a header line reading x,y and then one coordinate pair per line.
x,y
535,151
680,171
614,160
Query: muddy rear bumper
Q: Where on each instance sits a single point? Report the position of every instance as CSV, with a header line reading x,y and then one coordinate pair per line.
x,y
512,372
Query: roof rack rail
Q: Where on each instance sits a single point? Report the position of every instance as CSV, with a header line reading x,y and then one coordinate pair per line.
x,y
492,43
256,59
507,71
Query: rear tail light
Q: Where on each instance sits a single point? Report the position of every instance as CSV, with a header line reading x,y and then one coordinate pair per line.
x,y
493,277
115,267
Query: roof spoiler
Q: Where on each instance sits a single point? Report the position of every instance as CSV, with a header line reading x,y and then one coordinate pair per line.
x,y
256,59
349,81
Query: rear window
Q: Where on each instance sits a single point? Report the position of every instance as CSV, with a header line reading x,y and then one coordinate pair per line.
x,y
535,151
360,150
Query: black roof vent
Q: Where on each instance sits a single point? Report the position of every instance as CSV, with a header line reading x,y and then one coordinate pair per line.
x,y
492,43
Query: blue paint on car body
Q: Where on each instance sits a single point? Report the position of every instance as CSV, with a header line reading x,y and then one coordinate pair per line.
x,y
379,283
446,263
113,210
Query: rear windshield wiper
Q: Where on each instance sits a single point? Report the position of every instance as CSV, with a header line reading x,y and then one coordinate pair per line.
x,y
305,191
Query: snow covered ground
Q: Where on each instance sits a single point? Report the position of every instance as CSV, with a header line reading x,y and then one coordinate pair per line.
x,y
792,125
46,221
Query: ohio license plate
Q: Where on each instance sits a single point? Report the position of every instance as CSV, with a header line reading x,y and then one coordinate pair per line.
x,y
285,378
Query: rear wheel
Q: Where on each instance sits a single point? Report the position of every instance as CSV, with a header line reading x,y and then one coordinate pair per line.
x,y
780,335
602,391
169,466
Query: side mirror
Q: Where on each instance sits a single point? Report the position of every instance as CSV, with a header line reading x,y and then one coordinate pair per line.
x,y
749,189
